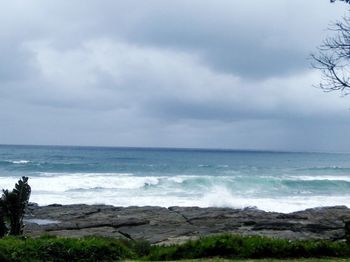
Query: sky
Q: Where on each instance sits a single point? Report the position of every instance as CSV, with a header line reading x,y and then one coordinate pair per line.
x,y
161,73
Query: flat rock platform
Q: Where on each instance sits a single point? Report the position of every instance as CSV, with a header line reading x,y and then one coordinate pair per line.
x,y
161,225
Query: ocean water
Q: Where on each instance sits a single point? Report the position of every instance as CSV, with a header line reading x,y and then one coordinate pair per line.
x,y
272,181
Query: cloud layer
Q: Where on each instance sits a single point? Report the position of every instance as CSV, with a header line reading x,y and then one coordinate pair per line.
x,y
223,74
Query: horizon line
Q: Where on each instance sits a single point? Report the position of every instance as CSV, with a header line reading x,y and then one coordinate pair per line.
x,y
179,148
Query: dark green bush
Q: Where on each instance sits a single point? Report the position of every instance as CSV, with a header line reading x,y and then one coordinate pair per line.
x,y
50,248
347,231
64,249
230,246
3,227
12,207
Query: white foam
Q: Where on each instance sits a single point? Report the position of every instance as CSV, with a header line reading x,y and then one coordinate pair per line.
x,y
67,182
177,179
126,189
320,178
48,174
222,197
19,162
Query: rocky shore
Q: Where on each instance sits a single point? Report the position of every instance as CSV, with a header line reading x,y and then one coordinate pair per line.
x,y
176,224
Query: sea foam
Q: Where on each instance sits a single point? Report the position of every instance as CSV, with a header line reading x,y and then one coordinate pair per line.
x,y
125,189
270,181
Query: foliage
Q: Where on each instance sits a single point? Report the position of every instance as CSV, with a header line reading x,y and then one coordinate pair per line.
x,y
347,231
48,248
3,228
229,246
63,249
13,204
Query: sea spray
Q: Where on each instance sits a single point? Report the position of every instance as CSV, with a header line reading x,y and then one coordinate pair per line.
x,y
272,181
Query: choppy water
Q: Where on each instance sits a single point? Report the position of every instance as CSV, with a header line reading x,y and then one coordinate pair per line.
x,y
273,181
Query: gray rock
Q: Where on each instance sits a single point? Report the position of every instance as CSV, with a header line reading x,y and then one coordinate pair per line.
x,y
161,225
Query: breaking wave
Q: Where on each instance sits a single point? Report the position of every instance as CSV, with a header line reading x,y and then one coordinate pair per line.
x,y
283,194
272,181
15,162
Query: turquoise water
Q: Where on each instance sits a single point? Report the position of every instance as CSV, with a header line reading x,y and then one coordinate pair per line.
x,y
273,181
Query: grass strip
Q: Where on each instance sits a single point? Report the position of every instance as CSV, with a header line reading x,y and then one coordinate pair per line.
x,y
49,248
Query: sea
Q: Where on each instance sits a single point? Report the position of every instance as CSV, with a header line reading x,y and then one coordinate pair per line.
x,y
271,181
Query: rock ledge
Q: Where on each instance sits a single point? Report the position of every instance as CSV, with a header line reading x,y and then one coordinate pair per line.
x,y
161,225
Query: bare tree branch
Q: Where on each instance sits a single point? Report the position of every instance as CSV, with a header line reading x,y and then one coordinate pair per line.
x,y
346,1
333,58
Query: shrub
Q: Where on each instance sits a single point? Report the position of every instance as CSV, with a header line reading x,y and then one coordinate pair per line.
x,y
231,246
347,231
12,207
50,248
63,249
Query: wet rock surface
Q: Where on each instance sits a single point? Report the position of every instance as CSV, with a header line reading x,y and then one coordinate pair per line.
x,y
161,225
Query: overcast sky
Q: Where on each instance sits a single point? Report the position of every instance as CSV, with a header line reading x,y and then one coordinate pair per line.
x,y
182,73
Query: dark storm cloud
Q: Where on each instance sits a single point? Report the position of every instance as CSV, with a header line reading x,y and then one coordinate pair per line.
x,y
263,39
257,40
166,73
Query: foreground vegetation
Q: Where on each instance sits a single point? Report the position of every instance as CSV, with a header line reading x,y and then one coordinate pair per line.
x,y
271,260
106,249
12,208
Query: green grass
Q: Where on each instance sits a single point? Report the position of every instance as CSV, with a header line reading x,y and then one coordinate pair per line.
x,y
213,248
274,260
270,260
230,246
65,249
265,260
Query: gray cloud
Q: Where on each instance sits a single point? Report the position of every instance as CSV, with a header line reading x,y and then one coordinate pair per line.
x,y
229,74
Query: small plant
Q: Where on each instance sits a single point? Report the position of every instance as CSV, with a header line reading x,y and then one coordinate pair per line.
x,y
347,231
252,247
3,228
12,207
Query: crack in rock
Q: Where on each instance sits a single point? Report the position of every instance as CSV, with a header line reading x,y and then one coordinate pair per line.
x,y
125,235
182,215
